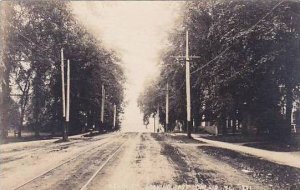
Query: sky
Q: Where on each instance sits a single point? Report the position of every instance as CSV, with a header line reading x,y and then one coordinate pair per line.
x,y
137,30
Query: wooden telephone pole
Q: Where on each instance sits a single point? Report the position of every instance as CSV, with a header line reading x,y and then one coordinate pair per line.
x,y
188,86
187,59
115,116
167,108
63,101
68,99
65,96
102,108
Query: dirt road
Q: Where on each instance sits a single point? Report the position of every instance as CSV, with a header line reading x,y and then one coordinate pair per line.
x,y
124,161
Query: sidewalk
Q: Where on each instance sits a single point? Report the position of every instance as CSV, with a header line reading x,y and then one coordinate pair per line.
x,y
285,158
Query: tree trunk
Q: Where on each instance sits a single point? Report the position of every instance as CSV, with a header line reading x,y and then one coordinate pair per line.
x,y
4,74
21,123
5,107
57,117
223,124
5,103
37,102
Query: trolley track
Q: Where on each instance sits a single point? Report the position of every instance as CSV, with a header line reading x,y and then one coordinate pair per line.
x,y
85,186
93,153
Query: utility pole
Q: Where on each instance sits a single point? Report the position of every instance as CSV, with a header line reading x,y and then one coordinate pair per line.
x,y
115,116
188,86
68,100
63,95
167,108
102,107
187,59
154,123
157,117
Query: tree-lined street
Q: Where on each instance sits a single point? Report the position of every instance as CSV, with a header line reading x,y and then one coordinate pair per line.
x,y
153,95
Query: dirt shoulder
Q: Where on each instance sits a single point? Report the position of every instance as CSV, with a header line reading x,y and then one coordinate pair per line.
x,y
272,175
198,169
209,167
